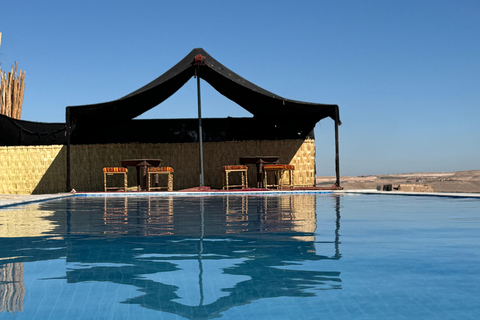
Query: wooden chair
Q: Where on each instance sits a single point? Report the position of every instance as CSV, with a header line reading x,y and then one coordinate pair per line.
x,y
279,171
159,171
110,171
234,168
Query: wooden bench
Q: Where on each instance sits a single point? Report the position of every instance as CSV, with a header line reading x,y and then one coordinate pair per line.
x,y
278,173
110,171
156,171
234,168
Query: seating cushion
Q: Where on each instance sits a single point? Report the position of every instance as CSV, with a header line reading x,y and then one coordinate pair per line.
x,y
160,169
115,169
279,167
234,167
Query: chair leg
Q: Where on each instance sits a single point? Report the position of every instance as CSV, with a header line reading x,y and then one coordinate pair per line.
x,y
226,180
291,178
105,181
125,181
157,186
170,182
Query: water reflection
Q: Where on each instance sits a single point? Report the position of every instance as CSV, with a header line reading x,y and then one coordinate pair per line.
x,y
191,256
12,288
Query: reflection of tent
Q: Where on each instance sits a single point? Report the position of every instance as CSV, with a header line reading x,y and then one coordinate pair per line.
x,y
274,117
152,262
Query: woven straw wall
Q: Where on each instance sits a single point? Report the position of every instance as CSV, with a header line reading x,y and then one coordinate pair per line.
x,y
87,161
32,169
42,169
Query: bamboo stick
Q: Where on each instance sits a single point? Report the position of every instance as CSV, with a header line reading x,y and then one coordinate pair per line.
x,y
21,91
12,89
2,93
9,95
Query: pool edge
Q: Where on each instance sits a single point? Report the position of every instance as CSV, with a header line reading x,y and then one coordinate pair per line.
x,y
15,200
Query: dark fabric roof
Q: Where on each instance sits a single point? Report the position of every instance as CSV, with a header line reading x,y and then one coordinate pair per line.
x,y
14,132
258,101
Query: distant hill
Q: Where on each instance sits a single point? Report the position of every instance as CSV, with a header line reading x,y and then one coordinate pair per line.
x,y
460,181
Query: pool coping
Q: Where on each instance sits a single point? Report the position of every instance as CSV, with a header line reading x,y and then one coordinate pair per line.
x,y
8,200
197,193
409,193
14,200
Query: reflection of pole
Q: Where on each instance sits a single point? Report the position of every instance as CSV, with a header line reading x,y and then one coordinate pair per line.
x,y
200,133
337,227
200,249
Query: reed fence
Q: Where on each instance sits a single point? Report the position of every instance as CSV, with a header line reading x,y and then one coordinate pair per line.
x,y
12,88
42,169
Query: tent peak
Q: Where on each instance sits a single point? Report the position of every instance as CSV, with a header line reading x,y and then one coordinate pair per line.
x,y
256,100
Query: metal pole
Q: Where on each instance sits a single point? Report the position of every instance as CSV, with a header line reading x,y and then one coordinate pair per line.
x,y
200,132
68,132
337,156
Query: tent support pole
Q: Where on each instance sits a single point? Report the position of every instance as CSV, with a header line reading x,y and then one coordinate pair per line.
x,y
69,186
200,132
337,156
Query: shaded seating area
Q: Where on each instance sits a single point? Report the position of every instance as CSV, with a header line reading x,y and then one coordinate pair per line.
x,y
70,155
114,171
274,118
278,173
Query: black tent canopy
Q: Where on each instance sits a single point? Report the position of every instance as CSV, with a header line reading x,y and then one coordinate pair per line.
x,y
256,100
274,117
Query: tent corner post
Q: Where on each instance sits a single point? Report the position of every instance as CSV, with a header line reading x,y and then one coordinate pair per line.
x,y
337,156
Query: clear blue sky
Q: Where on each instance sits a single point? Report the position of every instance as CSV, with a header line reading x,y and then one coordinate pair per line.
x,y
406,74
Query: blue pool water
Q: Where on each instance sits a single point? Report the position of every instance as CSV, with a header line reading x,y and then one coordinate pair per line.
x,y
291,256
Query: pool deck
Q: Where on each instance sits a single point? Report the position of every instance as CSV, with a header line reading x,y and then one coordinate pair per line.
x,y
7,200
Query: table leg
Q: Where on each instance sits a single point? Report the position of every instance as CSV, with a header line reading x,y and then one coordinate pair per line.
x,y
259,175
144,178
139,184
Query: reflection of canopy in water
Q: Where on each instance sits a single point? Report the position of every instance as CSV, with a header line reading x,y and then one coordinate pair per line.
x,y
255,265
250,266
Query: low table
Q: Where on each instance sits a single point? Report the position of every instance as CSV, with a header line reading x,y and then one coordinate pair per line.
x,y
142,165
260,161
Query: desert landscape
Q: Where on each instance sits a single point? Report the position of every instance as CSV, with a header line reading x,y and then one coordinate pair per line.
x,y
460,181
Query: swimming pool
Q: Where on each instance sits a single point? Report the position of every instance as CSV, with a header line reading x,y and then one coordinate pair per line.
x,y
289,256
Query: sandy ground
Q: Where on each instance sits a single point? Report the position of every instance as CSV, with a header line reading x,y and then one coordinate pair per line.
x,y
461,181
